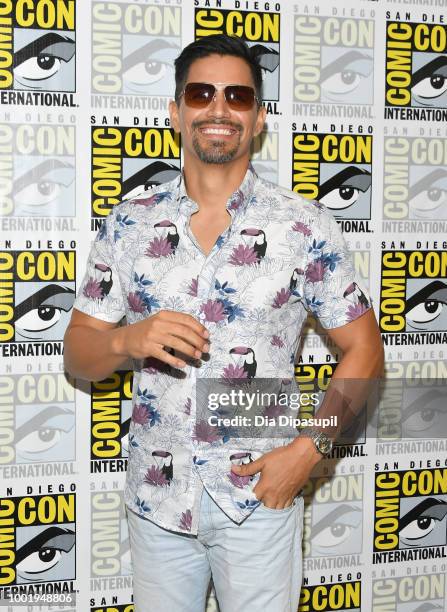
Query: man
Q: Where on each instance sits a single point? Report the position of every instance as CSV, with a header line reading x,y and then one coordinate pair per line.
x,y
218,265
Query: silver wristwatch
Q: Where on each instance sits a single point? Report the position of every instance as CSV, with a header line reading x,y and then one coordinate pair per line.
x,y
322,442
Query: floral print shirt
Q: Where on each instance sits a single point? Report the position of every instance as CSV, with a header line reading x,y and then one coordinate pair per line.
x,y
281,257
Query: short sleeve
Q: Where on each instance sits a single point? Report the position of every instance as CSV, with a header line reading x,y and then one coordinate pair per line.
x,y
332,291
100,292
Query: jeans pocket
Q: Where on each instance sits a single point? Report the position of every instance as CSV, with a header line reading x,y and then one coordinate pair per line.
x,y
280,510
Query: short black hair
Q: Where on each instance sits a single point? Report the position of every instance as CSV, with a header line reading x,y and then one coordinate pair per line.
x,y
219,44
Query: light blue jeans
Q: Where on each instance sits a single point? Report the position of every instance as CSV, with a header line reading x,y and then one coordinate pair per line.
x,y
255,566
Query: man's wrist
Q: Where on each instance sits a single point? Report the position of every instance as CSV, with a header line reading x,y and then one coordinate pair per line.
x,y
321,440
117,342
306,446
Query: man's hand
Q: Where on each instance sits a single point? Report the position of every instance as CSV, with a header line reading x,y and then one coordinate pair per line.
x,y
284,471
94,348
165,329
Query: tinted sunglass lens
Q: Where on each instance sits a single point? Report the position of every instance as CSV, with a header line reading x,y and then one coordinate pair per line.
x,y
239,97
199,95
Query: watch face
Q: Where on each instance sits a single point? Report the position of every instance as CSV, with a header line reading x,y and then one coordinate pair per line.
x,y
325,444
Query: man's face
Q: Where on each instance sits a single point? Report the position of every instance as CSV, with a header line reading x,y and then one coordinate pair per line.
x,y
217,134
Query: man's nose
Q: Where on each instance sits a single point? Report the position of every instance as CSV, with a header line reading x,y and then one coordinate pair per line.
x,y
219,106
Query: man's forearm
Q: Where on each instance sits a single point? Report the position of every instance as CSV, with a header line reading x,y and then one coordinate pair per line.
x,y
93,354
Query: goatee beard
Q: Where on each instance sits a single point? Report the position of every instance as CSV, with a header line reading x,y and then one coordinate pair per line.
x,y
216,152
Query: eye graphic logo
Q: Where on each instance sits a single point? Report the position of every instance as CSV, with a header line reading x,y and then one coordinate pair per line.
x,y
39,534
43,176
111,413
42,425
38,294
333,518
415,178
334,60
419,593
41,56
408,411
134,48
334,169
128,161
416,65
410,511
413,291
341,596
45,553
261,32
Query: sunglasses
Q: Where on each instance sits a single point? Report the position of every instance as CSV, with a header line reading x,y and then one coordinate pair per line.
x,y
238,97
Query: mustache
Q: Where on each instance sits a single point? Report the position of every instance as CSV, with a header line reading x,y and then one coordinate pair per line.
x,y
222,122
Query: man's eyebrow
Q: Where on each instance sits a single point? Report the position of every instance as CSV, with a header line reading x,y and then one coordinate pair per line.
x,y
417,511
428,69
427,181
43,538
143,53
34,423
46,166
40,44
36,299
341,62
423,294
341,177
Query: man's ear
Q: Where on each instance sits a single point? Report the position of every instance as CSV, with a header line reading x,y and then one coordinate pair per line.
x,y
173,114
260,120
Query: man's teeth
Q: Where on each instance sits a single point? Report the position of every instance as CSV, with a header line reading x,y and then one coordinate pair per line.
x,y
223,131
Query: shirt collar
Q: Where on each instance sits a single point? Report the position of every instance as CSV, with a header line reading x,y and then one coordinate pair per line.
x,y
237,203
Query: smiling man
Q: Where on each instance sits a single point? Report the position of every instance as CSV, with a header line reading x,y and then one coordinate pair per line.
x,y
215,272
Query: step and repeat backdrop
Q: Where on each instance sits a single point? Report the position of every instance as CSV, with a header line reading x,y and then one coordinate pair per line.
x,y
356,94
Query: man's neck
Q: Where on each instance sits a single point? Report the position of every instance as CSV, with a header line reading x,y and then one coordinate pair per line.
x,y
210,185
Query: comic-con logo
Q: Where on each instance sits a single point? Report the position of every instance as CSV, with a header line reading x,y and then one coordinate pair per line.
x,y
261,32
410,513
334,169
110,549
37,295
38,535
333,520
134,47
37,412
421,593
126,161
415,178
416,64
40,162
413,293
340,596
38,45
334,60
111,409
